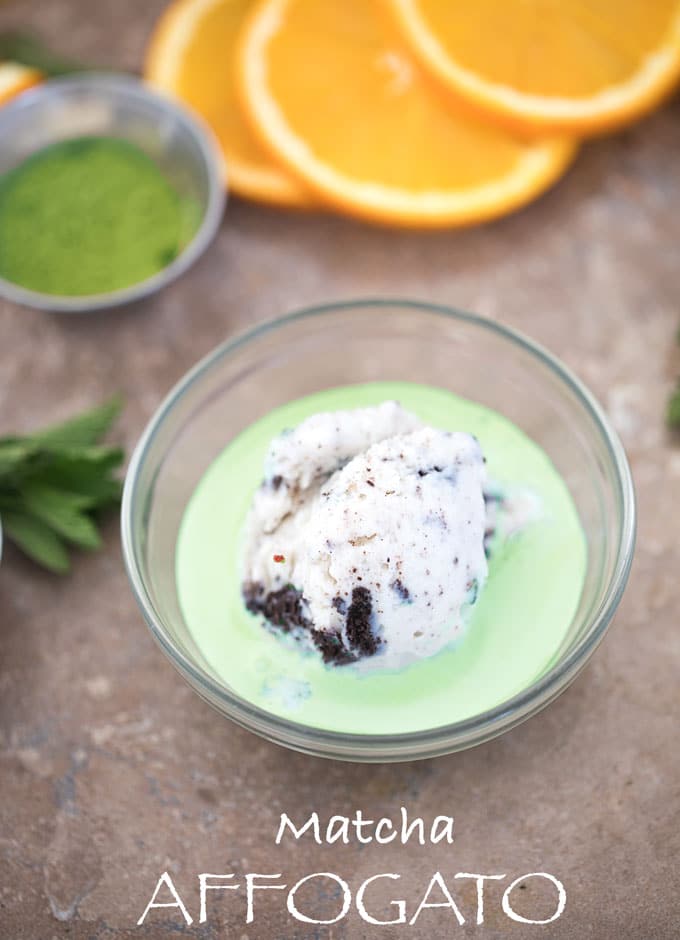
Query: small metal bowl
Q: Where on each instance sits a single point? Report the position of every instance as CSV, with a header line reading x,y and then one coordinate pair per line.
x,y
117,106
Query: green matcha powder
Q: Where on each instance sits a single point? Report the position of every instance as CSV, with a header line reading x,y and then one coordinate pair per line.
x,y
88,216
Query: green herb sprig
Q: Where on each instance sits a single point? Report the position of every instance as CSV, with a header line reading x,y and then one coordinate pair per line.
x,y
56,482
28,50
673,406
673,409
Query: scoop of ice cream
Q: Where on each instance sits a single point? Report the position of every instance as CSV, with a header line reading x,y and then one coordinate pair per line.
x,y
394,550
303,456
371,544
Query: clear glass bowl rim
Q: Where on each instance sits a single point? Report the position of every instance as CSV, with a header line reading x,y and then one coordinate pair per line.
x,y
129,86
441,739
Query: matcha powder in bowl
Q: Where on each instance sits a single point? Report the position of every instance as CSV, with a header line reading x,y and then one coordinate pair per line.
x,y
90,216
108,191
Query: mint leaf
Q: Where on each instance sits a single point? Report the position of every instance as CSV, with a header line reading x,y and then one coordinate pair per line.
x,y
62,512
28,50
87,428
14,454
77,468
36,540
53,482
93,492
673,409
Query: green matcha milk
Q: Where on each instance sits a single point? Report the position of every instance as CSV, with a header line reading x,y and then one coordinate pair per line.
x,y
518,624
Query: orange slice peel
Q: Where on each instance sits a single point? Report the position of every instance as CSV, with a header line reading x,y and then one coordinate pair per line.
x,y
15,78
579,67
337,98
191,56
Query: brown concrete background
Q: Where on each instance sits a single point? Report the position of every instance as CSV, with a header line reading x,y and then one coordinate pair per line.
x,y
112,771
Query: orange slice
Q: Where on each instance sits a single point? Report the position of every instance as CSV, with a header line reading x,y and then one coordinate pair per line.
x,y
15,78
580,66
335,95
191,56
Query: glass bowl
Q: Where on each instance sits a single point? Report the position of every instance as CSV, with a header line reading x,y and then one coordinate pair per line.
x,y
358,342
117,106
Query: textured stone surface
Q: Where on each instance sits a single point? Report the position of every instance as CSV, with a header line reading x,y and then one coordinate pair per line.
x,y
112,770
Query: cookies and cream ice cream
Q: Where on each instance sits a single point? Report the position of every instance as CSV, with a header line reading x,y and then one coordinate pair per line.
x,y
367,536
